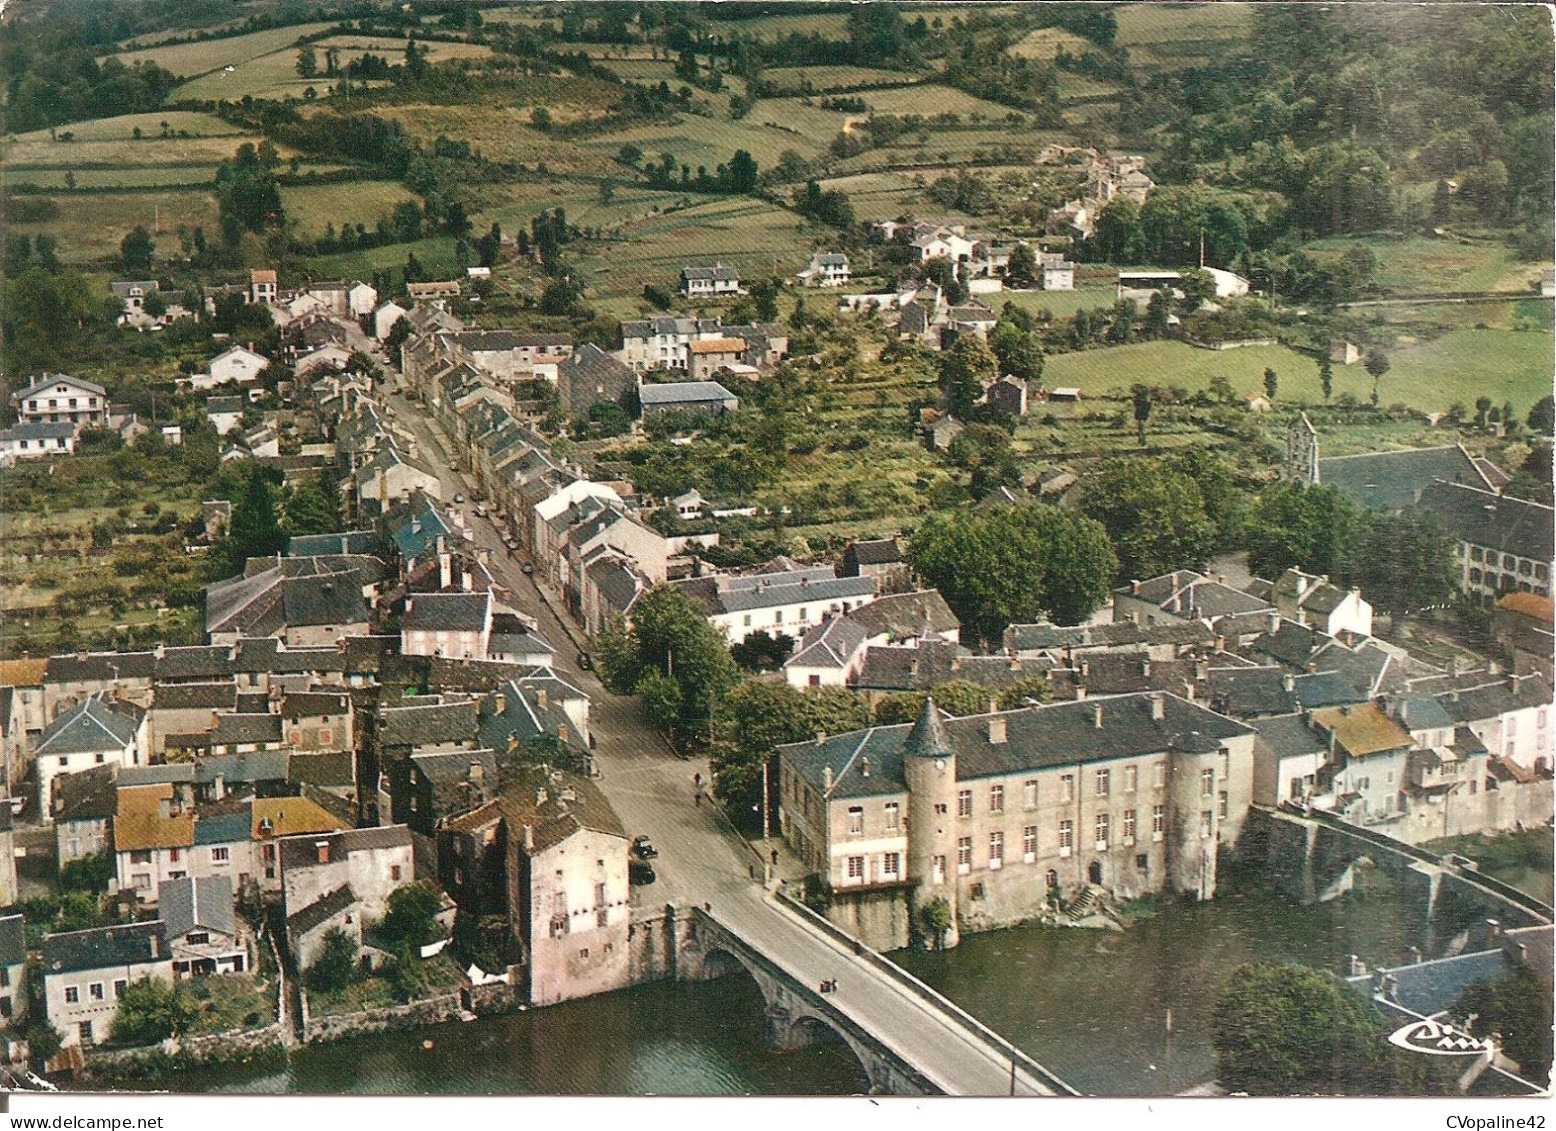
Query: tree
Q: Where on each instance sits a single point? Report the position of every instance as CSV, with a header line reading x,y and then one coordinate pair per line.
x,y
1292,1030
1020,564
1377,364
1034,687
1295,525
540,118
1155,517
309,508
1021,272
1140,398
934,919
963,369
150,1010
1326,375
1019,353
1516,1006
660,697
410,917
742,173
1542,417
87,873
941,272
1157,313
336,966
1482,410
1271,383
307,63
1404,562
670,635
135,252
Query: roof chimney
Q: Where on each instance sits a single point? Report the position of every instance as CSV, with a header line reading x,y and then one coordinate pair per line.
x,y
1097,716
542,698
998,729
499,703
1158,707
529,836
1289,682
826,776
864,767
821,736
1080,693
1274,622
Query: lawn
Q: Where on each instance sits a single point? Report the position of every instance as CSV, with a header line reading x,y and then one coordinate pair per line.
x,y
353,46
231,1003
504,133
150,150
90,226
265,76
1418,265
512,205
436,255
930,99
1061,304
835,78
191,59
833,25
710,141
130,177
1459,366
808,125
311,207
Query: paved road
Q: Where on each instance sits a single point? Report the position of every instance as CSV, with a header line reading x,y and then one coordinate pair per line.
x,y
703,861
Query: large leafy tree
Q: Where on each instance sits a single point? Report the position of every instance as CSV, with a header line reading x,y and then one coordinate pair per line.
x,y
1282,1030
1311,528
963,369
150,1010
1020,564
1404,562
135,252
1154,515
671,638
1519,1008
1018,351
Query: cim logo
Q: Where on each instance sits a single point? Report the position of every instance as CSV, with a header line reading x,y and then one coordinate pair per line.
x,y
1438,1039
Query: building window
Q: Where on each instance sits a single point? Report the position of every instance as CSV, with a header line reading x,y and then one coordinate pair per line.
x,y
72,995
584,953
198,938
85,1029
1159,775
1066,837
1143,862
963,855
856,868
1131,778
1029,794
221,855
1158,822
1067,787
394,872
964,803
141,880
1476,554
893,817
891,864
1207,782
1204,823
119,986
1102,832
996,799
1029,843
1223,807
1104,782
855,820
1128,830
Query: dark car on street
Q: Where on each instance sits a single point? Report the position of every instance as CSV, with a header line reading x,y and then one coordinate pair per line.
x,y
586,661
643,848
640,872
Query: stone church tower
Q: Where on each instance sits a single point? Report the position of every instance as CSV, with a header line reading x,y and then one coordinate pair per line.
x,y
1301,460
929,766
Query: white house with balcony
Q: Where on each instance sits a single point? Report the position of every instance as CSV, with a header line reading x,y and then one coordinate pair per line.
x,y
59,397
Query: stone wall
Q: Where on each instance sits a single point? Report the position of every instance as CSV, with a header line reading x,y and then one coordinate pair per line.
x,y
139,1065
879,919
497,997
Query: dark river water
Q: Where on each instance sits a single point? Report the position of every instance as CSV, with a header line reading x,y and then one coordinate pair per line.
x,y
1089,1005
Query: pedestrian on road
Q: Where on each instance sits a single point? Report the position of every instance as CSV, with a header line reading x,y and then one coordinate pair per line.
x,y
698,796
697,779
775,858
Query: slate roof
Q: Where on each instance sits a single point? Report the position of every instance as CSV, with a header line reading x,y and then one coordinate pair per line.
x,y
616,581
446,612
321,910
427,725
13,940
204,902
1422,712
733,594
268,602
102,947
234,769
555,816
314,704
224,823
41,386
90,795
1395,480
1039,637
1499,697
1289,736
1037,737
511,636
874,551
189,696
233,730
302,852
100,667
205,662
893,667
683,392
94,724
327,771
524,717
1189,594
1503,523
590,363
353,542
719,274
39,430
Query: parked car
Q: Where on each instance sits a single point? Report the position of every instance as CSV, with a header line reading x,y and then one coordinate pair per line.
x,y
480,509
586,661
643,848
459,498
527,570
640,872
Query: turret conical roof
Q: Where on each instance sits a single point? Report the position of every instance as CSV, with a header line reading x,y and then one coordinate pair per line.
x,y
928,738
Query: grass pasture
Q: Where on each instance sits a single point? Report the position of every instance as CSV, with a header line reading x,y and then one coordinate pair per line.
x,y
311,207
1177,35
191,59
1046,42
822,79
708,141
436,255
90,226
512,205
355,46
1418,265
122,128
930,99
504,133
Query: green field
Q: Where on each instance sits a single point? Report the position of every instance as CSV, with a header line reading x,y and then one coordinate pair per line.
x,y
1417,265
707,141
90,226
930,99
1459,366
191,59
834,78
1044,43
311,207
436,255
1177,35
513,205
122,128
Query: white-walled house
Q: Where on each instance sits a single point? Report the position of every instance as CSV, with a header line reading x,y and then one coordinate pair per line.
x,y
789,602
237,364
85,973
60,397
385,317
360,299
36,440
454,625
97,731
1314,602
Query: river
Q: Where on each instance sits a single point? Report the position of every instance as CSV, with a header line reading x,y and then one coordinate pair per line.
x,y
1090,1005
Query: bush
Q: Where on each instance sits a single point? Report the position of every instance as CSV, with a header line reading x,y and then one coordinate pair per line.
x,y
87,874
411,917
149,1011
336,966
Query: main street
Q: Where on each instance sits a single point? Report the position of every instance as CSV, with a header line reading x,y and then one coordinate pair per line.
x,y
702,860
